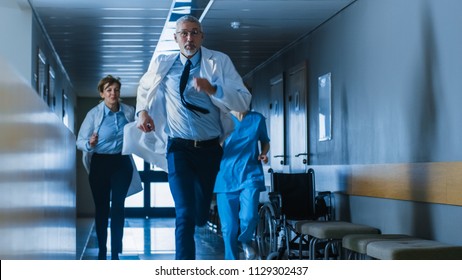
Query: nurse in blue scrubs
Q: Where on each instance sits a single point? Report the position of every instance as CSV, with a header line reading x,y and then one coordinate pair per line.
x,y
240,181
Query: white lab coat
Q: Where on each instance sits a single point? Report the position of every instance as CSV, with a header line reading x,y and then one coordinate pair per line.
x,y
218,68
91,125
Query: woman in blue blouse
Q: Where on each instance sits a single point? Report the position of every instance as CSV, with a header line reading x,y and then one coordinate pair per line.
x,y
110,172
240,181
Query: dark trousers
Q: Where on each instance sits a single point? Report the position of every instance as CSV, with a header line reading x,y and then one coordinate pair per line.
x,y
191,174
110,176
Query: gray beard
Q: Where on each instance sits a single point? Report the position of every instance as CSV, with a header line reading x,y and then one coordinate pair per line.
x,y
190,52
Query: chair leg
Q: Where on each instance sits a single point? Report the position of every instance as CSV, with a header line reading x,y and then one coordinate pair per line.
x,y
300,246
304,240
313,244
334,246
311,249
327,249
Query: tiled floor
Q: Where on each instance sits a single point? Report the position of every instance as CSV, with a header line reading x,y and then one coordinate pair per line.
x,y
154,239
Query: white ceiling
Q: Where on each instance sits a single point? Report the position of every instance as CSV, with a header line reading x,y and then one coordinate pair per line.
x,y
98,37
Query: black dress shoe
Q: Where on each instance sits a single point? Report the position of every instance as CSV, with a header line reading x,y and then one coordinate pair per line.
x,y
102,255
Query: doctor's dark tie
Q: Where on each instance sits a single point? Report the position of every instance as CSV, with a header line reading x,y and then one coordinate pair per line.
x,y
183,82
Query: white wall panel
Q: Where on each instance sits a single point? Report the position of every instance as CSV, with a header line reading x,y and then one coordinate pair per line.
x,y
37,175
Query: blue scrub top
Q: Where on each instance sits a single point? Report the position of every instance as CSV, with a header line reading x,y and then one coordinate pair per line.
x,y
240,167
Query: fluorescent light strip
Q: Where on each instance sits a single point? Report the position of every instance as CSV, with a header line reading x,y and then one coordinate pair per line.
x,y
129,26
123,46
121,65
118,52
132,9
122,33
128,73
131,18
130,69
122,40
206,10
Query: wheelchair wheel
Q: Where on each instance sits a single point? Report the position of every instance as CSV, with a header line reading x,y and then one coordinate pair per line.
x,y
273,256
266,234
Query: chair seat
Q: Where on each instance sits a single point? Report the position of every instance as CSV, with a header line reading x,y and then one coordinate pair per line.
x,y
299,224
358,242
417,249
335,229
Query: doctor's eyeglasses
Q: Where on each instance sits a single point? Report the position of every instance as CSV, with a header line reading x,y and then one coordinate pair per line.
x,y
185,33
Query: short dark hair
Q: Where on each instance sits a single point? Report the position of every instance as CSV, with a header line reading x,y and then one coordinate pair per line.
x,y
108,80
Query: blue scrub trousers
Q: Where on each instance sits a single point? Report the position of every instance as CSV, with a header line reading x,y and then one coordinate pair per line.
x,y
238,211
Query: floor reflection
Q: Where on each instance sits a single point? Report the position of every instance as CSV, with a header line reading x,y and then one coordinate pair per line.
x,y
154,239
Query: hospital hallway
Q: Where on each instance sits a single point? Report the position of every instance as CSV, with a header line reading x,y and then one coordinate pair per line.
x,y
370,105
150,239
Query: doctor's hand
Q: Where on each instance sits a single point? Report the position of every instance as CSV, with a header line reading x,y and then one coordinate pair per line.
x,y
145,122
201,84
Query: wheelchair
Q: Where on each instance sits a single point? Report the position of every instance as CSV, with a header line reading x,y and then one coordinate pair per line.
x,y
292,199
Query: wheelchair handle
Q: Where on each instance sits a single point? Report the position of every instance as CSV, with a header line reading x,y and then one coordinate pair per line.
x,y
324,193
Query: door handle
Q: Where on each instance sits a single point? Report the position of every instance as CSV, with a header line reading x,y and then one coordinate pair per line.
x,y
301,154
304,161
283,160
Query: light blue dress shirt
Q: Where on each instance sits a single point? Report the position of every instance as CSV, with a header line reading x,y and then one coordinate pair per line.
x,y
181,122
110,134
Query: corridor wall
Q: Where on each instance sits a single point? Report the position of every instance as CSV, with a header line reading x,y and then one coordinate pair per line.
x,y
395,153
37,175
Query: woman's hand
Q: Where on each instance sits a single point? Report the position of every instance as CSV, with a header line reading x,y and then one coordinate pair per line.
x,y
93,140
263,158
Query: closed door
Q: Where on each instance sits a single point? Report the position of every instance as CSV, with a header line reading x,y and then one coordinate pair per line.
x,y
276,127
296,120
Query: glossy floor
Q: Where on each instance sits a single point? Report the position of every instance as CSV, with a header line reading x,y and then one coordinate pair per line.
x,y
154,239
